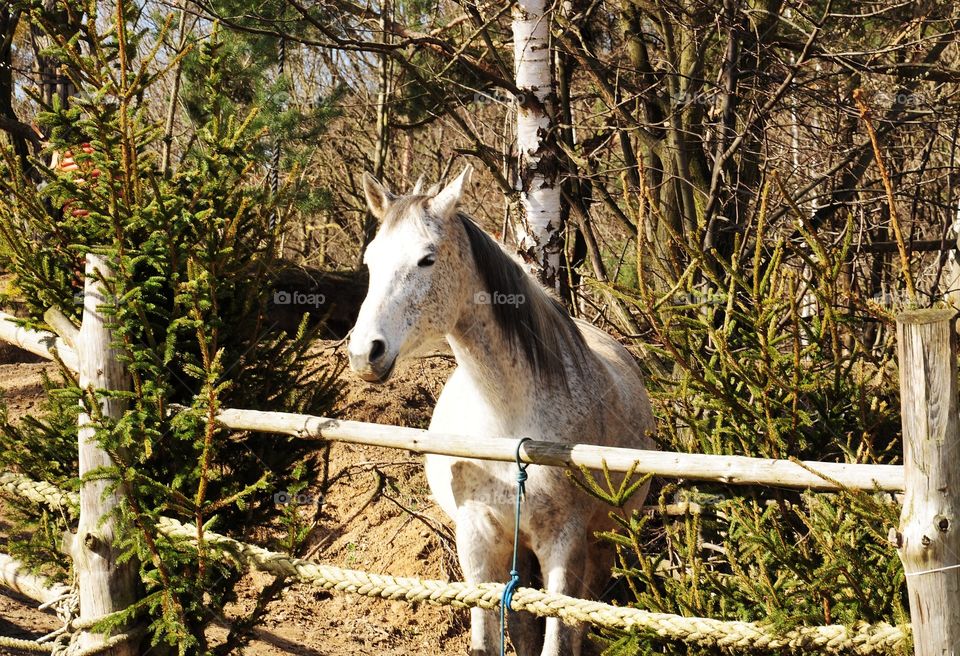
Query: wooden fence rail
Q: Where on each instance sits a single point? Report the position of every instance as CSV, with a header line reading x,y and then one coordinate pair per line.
x,y
822,476
17,576
39,342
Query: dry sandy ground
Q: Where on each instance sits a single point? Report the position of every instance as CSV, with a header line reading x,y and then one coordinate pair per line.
x,y
392,531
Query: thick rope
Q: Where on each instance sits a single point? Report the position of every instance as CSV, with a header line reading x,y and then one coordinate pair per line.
x,y
25,645
861,638
52,648
40,492
109,643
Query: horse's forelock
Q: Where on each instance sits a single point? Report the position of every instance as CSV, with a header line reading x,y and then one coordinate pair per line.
x,y
400,210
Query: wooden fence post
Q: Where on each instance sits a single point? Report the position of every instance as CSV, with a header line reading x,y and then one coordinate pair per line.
x,y
105,585
929,538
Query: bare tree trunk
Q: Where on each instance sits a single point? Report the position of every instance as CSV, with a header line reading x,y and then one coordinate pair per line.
x,y
52,80
383,127
106,585
174,93
539,224
18,131
406,162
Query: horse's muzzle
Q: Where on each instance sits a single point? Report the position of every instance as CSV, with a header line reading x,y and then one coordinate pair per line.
x,y
373,365
375,375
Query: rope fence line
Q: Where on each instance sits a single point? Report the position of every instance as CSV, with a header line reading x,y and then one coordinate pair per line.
x,y
26,645
40,492
861,638
58,648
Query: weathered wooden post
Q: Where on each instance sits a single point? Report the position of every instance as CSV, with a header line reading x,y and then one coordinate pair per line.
x,y
105,585
929,538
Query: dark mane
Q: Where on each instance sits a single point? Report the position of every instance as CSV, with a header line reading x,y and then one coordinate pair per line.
x,y
540,327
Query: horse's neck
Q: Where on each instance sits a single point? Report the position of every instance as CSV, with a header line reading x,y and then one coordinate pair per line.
x,y
498,372
498,369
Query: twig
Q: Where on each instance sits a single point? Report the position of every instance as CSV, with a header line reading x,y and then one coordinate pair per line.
x,y
885,176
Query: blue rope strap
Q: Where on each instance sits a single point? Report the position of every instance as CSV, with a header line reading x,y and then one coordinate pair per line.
x,y
514,581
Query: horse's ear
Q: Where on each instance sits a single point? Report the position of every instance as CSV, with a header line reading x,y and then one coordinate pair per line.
x,y
444,203
378,197
417,188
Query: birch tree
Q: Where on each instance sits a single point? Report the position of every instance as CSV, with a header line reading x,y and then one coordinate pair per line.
x,y
539,223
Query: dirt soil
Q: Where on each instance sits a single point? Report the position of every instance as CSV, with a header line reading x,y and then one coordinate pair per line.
x,y
378,516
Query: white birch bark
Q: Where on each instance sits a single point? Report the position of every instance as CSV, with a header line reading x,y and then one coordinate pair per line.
x,y
951,274
539,224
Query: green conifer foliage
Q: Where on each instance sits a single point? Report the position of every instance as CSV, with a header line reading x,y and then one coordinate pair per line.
x,y
190,303
248,77
741,369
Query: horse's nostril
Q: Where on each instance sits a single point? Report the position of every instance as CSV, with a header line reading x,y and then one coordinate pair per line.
x,y
377,349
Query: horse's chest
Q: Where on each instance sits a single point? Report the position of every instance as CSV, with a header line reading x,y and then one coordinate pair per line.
x,y
458,482
463,485
452,480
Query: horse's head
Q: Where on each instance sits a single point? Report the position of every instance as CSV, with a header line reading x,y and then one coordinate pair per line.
x,y
416,265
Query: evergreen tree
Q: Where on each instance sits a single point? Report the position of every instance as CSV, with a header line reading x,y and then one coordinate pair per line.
x,y
193,254
752,376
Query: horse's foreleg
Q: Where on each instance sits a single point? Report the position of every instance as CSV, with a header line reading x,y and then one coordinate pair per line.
x,y
526,630
564,571
484,554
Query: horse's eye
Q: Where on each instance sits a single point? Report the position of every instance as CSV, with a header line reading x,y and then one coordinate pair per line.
x,y
427,260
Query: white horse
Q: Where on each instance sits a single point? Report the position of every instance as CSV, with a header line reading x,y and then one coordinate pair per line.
x,y
525,368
